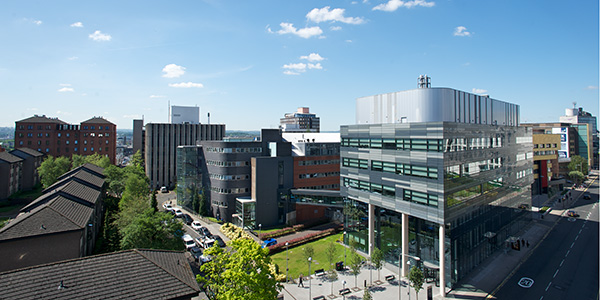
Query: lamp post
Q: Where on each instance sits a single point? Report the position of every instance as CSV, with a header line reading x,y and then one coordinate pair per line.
x,y
286,261
400,272
259,230
309,278
345,246
371,264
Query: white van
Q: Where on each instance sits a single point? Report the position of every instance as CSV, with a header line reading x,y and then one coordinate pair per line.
x,y
188,241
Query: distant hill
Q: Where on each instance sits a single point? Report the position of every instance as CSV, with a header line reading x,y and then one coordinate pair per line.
x,y
7,132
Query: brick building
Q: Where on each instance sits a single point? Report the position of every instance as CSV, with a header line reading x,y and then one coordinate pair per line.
x,y
55,137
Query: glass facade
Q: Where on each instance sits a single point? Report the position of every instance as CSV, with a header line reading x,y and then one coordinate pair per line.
x,y
189,177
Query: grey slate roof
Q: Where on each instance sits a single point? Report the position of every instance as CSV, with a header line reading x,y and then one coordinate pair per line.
x,y
71,190
9,158
28,151
90,168
59,215
42,119
98,120
131,274
79,175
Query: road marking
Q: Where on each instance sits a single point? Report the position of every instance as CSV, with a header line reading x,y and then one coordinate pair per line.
x,y
542,297
580,230
572,244
555,273
549,283
567,252
562,262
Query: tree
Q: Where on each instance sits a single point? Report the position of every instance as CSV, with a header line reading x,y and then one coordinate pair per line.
x,y
240,272
377,260
152,231
578,163
115,178
415,277
308,251
367,295
355,264
332,276
330,252
52,168
576,176
154,202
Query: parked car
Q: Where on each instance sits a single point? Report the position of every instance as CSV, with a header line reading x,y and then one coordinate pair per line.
x,y
204,258
196,225
164,189
178,213
188,241
207,242
219,241
572,213
196,253
167,207
587,196
269,242
205,232
187,219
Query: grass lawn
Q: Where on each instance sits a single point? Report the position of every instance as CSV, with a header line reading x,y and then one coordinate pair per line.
x,y
298,264
272,229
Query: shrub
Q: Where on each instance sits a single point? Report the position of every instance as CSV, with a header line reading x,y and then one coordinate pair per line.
x,y
301,240
233,232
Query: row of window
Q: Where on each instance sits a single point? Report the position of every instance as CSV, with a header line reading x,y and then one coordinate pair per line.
x,y
229,177
319,162
219,163
229,191
49,127
392,167
395,144
318,175
390,191
535,146
74,149
548,152
94,127
335,186
234,150
523,173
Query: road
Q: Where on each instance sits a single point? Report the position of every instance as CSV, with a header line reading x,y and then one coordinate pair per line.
x,y
565,264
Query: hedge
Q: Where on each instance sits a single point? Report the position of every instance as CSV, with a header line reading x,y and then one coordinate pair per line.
x,y
301,240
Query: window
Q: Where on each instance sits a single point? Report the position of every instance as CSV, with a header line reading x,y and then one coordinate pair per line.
x,y
21,143
67,142
40,135
85,142
93,128
107,142
106,134
30,127
76,142
85,127
47,150
92,149
68,134
84,149
75,149
59,134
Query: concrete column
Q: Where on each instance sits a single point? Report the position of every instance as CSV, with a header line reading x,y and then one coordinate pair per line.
x,y
371,229
404,244
442,263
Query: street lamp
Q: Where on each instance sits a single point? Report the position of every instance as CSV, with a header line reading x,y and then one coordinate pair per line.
x,y
371,263
309,278
259,230
286,261
345,246
400,272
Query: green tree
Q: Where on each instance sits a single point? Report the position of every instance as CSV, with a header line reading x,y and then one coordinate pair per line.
x,y
115,178
578,163
576,176
330,252
332,276
355,264
308,251
367,295
152,231
154,202
415,277
52,168
377,260
96,159
239,272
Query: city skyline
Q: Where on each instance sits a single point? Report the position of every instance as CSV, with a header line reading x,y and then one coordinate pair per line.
x,y
250,63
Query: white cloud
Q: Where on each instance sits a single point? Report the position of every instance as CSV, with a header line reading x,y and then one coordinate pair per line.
x,y
478,91
77,24
315,66
299,67
348,41
306,32
73,58
393,5
288,72
335,28
157,96
186,85
591,87
173,71
335,15
64,113
66,89
65,84
312,57
37,22
99,36
461,31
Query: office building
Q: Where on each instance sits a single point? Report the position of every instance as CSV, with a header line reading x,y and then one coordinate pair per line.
x,y
545,163
161,141
138,143
55,137
300,121
435,173
579,116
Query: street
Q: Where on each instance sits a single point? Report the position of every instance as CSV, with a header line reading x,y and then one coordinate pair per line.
x,y
565,264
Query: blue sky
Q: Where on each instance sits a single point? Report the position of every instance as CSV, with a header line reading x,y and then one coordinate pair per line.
x,y
250,62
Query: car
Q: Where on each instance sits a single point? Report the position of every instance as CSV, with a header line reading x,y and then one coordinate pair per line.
x,y
572,213
219,241
269,242
178,213
204,258
188,241
167,207
196,252
164,189
587,196
207,242
196,225
205,232
187,219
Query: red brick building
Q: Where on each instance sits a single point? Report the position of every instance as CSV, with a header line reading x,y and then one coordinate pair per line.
x,y
55,137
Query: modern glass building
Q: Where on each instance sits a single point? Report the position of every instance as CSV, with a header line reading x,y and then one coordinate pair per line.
x,y
438,174
189,177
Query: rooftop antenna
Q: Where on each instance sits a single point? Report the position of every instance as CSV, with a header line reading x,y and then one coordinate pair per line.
x,y
208,118
424,82
574,104
169,111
